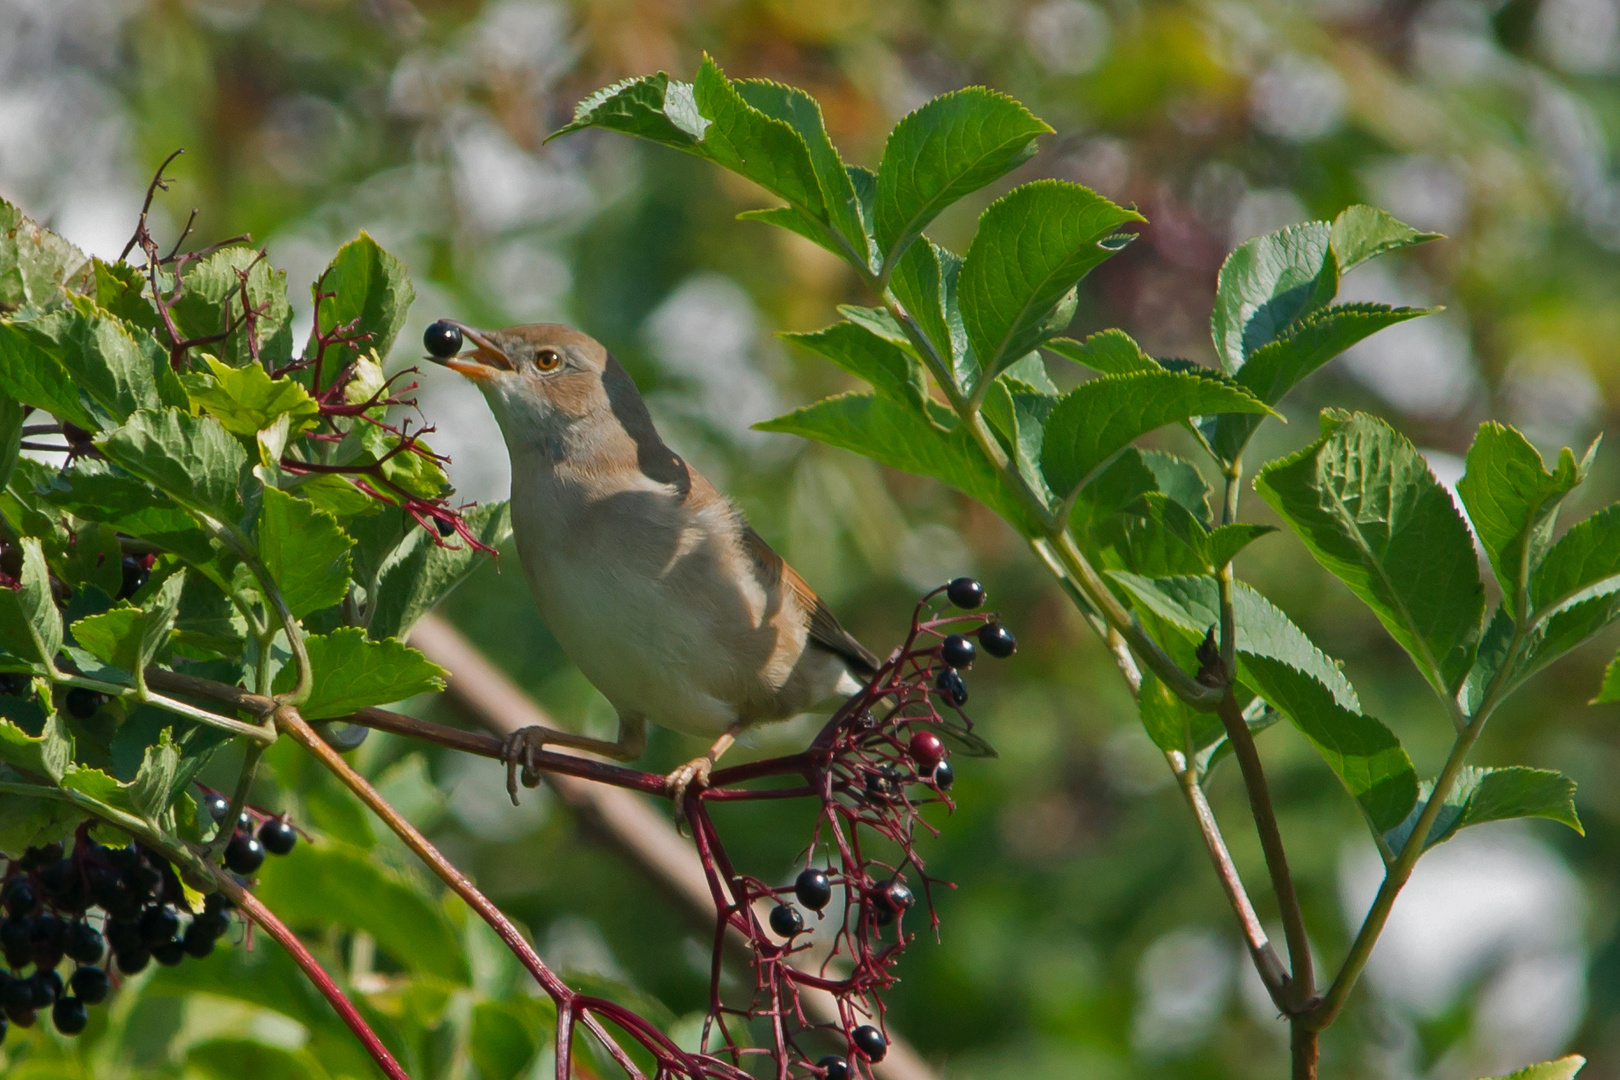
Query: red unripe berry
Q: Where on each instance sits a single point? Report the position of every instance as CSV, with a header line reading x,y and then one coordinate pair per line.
x,y
927,750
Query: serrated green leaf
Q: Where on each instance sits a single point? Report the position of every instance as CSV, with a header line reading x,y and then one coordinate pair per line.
x,y
31,375
33,735
120,288
880,428
154,785
373,290
1108,352
1017,412
1155,537
1226,541
33,821
35,263
854,347
1512,501
1519,792
1562,1069
1170,722
95,558
925,281
192,459
1135,473
1364,753
1192,605
953,145
353,672
246,400
1365,232
1277,367
11,425
766,150
1032,245
212,302
840,203
1266,284
419,573
1586,557
102,358
1099,418
98,491
30,626
651,107
1368,508
305,550
128,637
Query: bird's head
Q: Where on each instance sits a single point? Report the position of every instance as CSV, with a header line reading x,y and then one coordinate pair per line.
x,y
536,378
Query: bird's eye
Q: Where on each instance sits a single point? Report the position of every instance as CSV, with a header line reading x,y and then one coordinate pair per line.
x,y
547,359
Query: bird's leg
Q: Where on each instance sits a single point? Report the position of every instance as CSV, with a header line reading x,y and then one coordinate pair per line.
x,y
697,771
518,749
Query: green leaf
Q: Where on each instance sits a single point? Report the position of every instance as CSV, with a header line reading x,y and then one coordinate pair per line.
x,y
128,637
953,145
1134,473
120,289
246,400
1170,722
1278,366
925,281
31,375
764,149
305,550
1108,352
192,459
1364,232
1097,419
420,573
840,204
506,1036
234,1058
1226,541
33,735
1192,604
212,303
95,558
1519,792
1367,507
1266,284
102,358
651,107
33,821
372,290
1586,557
1365,755
890,369
352,672
30,626
98,491
406,923
1031,247
1018,412
35,263
1512,501
880,428
1562,1069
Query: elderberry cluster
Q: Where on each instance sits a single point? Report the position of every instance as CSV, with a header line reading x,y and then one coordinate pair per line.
x,y
76,906
957,652
255,835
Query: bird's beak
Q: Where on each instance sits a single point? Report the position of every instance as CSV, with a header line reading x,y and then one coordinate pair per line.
x,y
482,360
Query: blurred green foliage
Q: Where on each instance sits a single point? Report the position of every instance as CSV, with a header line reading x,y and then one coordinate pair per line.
x,y
1087,935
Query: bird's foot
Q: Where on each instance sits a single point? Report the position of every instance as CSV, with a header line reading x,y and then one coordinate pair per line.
x,y
676,783
517,752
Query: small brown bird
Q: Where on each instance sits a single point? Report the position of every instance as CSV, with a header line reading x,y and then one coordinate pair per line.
x,y
653,583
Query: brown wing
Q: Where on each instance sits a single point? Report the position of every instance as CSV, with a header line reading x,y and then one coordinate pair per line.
x,y
826,632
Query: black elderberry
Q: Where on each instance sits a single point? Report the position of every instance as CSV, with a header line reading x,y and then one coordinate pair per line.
x,y
17,994
442,339
244,854
812,889
84,943
144,880
133,961
957,651
90,985
14,684
870,1042
833,1067
997,640
22,1017
54,876
69,1015
882,783
278,837
19,897
964,592
169,953
217,806
198,941
46,987
210,925
17,942
49,940
136,570
82,702
35,857
786,920
444,527
944,776
216,903
898,896
158,925
951,687
124,935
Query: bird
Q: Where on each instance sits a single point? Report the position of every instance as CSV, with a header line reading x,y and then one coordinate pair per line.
x,y
651,580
